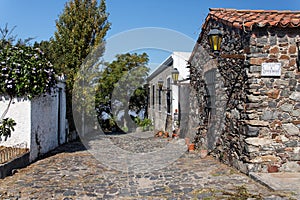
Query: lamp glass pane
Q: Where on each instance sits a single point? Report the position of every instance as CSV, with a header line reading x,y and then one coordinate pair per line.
x,y
216,43
175,76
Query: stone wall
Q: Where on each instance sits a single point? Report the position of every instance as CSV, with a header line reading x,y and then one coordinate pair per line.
x,y
246,120
220,84
273,104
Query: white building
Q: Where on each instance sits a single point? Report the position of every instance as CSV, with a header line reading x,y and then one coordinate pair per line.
x,y
164,105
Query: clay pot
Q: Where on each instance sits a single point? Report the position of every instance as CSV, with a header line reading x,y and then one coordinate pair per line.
x,y
160,133
272,169
166,135
191,147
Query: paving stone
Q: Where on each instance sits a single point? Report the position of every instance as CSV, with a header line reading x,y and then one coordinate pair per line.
x,y
72,172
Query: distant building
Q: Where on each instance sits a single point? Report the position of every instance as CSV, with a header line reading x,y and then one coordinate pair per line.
x,y
164,107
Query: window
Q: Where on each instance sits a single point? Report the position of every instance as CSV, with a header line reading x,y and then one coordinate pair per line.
x,y
168,96
159,100
153,96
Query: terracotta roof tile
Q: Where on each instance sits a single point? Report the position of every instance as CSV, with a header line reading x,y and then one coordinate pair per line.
x,y
249,18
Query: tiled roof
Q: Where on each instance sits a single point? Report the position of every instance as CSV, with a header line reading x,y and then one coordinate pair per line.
x,y
250,18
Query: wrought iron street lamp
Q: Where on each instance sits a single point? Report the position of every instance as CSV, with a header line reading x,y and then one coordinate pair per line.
x,y
175,75
215,40
160,84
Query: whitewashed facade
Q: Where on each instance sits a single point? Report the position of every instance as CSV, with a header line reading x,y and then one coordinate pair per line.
x,y
162,105
41,122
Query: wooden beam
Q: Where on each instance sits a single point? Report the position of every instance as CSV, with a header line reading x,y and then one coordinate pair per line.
x,y
235,56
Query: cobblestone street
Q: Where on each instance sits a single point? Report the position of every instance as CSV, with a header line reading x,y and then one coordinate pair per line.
x,y
72,172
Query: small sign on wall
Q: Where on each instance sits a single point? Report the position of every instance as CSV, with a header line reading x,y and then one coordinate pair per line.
x,y
270,69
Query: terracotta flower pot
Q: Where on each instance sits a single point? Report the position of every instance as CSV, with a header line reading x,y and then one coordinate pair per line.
x,y
160,133
191,147
272,169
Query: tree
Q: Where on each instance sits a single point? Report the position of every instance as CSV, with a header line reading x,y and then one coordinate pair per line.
x,y
24,72
81,29
121,87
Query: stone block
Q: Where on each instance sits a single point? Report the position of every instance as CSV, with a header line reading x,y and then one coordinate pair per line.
x,y
295,156
266,158
296,113
290,167
255,69
292,49
293,82
251,131
255,99
297,150
252,105
255,141
296,122
295,96
272,104
257,123
281,82
287,107
291,129
285,93
292,62
274,93
281,139
269,115
274,50
256,61
292,143
284,57
262,41
251,148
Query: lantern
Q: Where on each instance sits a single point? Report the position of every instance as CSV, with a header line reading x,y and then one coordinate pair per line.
x,y
215,39
175,74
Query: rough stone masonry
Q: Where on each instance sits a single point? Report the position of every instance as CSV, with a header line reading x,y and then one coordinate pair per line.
x,y
245,119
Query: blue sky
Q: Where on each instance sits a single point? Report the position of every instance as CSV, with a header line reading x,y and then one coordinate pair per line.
x,y
36,18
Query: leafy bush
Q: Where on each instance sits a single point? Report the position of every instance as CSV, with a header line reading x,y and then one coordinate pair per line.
x,y
24,71
145,123
6,127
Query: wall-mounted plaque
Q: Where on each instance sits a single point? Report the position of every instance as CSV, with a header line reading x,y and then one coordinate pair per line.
x,y
270,69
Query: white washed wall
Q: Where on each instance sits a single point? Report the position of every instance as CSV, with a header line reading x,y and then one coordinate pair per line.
x,y
37,122
162,72
20,111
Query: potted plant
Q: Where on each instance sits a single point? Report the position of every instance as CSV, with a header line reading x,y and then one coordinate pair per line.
x,y
190,146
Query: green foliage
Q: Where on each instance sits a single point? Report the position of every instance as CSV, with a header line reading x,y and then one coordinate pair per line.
x,y
144,123
25,72
123,79
81,29
6,127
